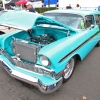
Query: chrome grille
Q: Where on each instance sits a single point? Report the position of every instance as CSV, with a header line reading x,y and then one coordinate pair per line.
x,y
25,50
25,65
33,68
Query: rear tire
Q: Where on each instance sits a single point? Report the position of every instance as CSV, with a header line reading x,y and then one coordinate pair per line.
x,y
68,71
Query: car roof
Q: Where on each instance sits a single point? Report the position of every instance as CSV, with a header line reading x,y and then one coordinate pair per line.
x,y
82,12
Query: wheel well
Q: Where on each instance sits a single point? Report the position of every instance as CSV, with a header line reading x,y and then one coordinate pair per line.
x,y
1,32
78,57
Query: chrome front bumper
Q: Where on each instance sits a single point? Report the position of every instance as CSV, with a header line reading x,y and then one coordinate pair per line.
x,y
45,89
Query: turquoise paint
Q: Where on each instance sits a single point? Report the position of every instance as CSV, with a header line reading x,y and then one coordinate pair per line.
x,y
55,50
82,12
6,39
60,48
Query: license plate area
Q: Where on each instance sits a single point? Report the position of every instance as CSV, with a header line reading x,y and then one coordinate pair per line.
x,y
5,67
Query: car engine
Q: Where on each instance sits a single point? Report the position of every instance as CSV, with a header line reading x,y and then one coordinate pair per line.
x,y
43,39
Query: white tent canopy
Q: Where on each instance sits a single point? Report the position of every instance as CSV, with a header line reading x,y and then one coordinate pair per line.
x,y
82,3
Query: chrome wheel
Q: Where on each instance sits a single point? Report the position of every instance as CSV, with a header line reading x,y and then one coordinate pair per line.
x,y
69,69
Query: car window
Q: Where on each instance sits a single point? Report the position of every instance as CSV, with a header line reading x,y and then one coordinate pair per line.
x,y
98,19
68,19
89,20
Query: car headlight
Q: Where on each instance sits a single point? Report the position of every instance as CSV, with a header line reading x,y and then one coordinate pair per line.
x,y
44,60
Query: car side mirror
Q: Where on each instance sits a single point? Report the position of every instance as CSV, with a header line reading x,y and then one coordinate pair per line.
x,y
92,26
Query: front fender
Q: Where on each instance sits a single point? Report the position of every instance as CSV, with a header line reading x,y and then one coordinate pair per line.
x,y
62,50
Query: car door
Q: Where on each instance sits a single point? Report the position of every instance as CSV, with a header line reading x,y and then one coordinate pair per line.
x,y
91,32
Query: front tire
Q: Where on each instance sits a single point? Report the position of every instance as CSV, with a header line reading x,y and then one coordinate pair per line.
x,y
68,71
98,44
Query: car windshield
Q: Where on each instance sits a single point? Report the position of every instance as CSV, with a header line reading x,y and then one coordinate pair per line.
x,y
73,20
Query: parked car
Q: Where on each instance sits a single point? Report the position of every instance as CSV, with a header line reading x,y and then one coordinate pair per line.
x,y
44,50
1,8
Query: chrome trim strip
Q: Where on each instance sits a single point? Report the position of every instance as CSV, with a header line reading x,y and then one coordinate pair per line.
x,y
38,66
35,68
45,89
16,27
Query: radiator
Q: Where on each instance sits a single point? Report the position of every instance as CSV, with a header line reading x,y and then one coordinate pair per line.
x,y
25,50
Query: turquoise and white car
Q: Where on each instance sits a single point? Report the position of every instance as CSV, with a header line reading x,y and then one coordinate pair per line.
x,y
44,49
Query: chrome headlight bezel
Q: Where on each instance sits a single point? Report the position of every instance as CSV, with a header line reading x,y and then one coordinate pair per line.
x,y
44,61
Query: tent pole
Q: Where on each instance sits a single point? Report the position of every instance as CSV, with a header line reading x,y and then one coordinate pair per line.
x,y
3,2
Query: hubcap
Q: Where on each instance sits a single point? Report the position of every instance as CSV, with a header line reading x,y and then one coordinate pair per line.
x,y
69,68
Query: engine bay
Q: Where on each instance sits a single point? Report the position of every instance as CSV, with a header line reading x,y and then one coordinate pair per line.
x,y
25,45
43,39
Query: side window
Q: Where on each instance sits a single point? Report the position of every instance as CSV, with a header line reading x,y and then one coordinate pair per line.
x,y
98,19
89,20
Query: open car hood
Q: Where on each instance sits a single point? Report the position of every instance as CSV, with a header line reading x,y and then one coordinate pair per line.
x,y
27,20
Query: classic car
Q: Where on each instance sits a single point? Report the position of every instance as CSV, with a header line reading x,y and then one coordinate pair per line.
x,y
44,49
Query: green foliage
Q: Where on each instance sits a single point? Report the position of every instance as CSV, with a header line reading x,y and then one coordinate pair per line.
x,y
43,9
0,2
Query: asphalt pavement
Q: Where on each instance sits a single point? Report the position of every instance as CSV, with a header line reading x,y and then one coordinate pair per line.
x,y
84,83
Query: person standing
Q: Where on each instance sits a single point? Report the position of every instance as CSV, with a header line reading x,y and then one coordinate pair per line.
x,y
30,7
78,6
68,7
